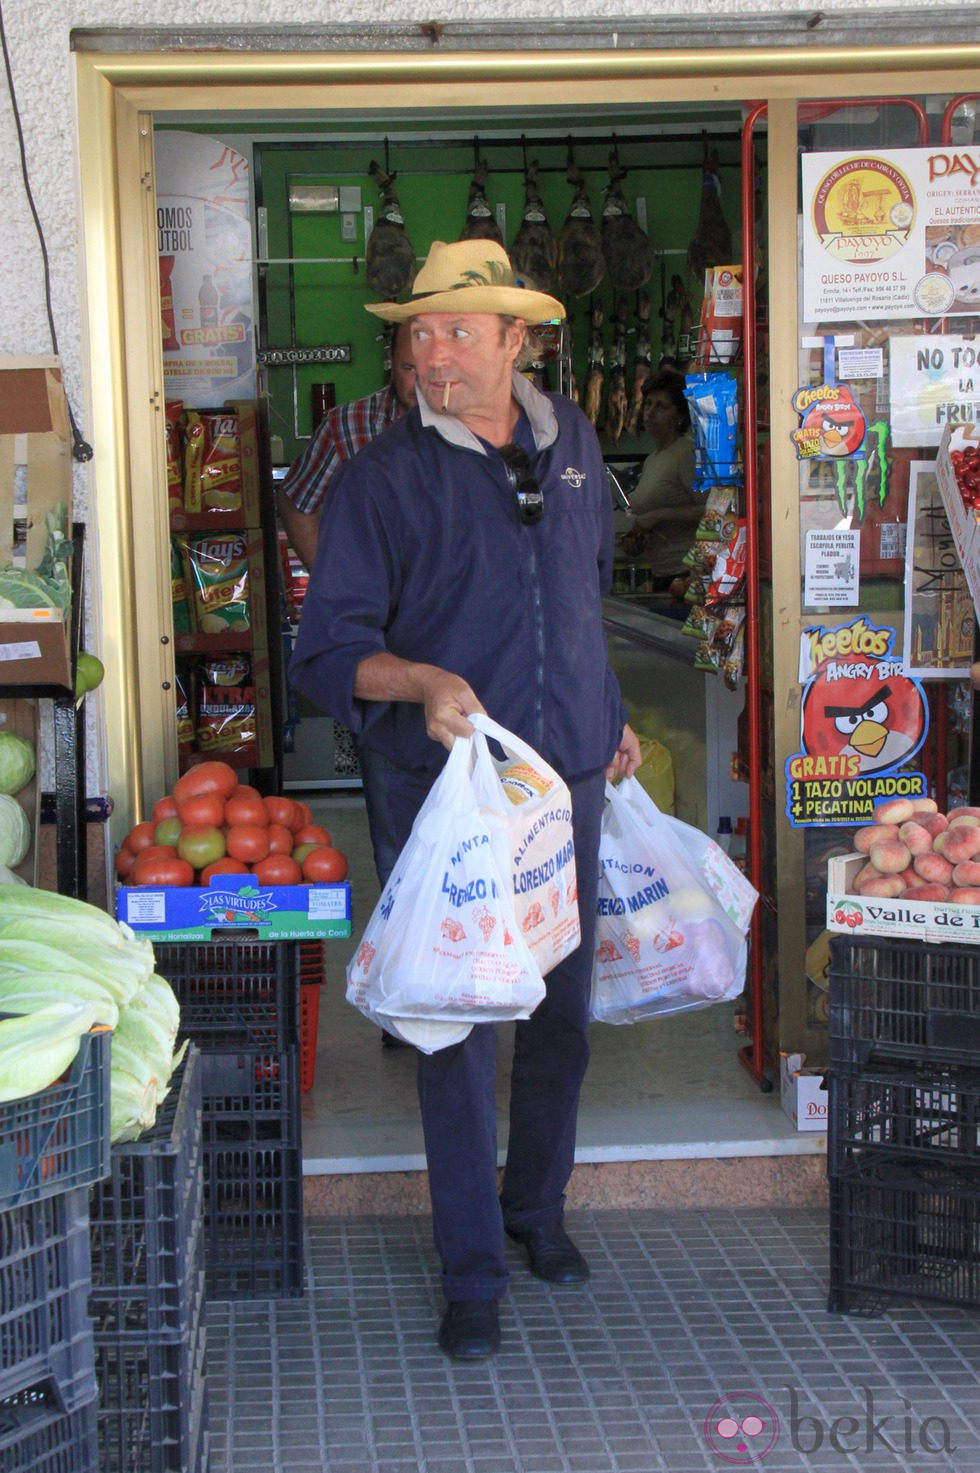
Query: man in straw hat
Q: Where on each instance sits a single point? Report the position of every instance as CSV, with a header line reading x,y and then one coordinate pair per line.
x,y
461,568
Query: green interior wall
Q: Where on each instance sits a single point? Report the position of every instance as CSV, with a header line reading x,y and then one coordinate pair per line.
x,y
316,304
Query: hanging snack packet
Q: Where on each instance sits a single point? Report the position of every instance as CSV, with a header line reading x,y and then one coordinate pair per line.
x,y
173,410
728,574
194,435
221,465
720,519
226,720
217,575
178,587
713,401
185,716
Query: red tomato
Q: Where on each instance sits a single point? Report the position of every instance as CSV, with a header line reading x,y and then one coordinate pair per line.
x,y
324,865
141,836
280,810
280,839
164,808
223,867
206,777
312,833
167,831
246,808
206,810
247,841
125,859
277,869
201,846
158,851
160,870
303,815
245,790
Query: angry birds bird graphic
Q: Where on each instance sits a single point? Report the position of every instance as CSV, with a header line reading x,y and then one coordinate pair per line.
x,y
878,717
832,424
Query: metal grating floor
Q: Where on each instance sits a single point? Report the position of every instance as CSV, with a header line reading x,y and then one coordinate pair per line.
x,y
694,1323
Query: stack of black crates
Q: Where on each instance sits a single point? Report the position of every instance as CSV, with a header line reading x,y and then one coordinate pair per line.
x,y
54,1145
147,1292
904,1123
240,1004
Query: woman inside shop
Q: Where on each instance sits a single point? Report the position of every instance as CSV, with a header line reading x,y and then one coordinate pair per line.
x,y
664,508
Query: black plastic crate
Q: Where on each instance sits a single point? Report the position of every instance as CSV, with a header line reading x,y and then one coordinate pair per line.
x,y
904,1229
58,1139
251,1095
153,1402
254,1221
903,1110
46,1344
236,993
147,1221
33,1440
908,1000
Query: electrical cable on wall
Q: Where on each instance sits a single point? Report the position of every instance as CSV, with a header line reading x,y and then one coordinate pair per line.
x,y
81,450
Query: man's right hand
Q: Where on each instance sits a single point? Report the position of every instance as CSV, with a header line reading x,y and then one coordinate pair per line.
x,y
446,697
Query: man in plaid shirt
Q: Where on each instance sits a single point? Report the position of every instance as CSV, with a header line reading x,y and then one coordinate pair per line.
x,y
339,436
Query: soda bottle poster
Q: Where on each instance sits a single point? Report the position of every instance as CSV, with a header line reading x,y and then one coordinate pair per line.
x,y
205,247
861,722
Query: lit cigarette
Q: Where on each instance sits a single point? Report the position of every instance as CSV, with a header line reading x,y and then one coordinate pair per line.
x,y
445,394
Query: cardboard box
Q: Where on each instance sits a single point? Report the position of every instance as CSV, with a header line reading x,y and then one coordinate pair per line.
x,y
35,477
921,920
236,903
803,1092
963,520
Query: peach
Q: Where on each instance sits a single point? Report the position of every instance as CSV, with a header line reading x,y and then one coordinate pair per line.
x,y
883,887
924,805
933,868
963,816
915,837
890,856
967,874
894,810
925,892
964,811
873,834
933,823
965,895
961,841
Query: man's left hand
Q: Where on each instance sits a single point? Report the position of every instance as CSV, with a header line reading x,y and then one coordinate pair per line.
x,y
627,758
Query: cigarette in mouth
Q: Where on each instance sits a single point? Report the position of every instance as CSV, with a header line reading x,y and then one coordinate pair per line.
x,y
445,394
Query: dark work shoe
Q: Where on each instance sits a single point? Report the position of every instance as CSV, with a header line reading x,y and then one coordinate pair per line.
x,y
470,1329
552,1255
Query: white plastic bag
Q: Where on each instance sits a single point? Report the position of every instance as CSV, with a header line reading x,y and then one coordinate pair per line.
x,y
526,798
671,918
443,945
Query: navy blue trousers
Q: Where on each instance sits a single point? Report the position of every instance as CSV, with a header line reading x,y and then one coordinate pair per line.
x,y
457,1092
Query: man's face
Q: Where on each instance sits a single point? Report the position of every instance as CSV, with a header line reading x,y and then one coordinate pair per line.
x,y
464,361
403,367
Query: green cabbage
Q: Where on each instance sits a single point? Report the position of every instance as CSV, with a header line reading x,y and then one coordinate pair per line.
x,y
17,762
15,833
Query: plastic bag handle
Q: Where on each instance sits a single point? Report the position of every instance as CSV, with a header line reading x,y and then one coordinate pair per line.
x,y
487,727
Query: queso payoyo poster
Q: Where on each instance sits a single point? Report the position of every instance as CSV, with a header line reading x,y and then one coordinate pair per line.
x,y
861,723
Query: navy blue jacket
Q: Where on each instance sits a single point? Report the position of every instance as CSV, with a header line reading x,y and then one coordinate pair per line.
x,y
422,554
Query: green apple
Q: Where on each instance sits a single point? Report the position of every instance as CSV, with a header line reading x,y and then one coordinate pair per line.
x,y
89,672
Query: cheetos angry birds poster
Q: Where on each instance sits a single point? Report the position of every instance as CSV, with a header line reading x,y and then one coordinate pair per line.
x,y
861,722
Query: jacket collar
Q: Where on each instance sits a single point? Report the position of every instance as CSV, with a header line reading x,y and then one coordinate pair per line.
x,y
537,407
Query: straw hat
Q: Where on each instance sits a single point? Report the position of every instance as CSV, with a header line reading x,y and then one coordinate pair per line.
x,y
470,276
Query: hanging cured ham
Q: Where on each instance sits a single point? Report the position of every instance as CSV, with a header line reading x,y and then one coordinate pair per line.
x,y
712,242
581,266
641,365
389,259
480,223
534,253
617,400
627,251
595,377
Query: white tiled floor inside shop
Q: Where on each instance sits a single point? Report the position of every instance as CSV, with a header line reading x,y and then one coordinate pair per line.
x,y
662,1090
